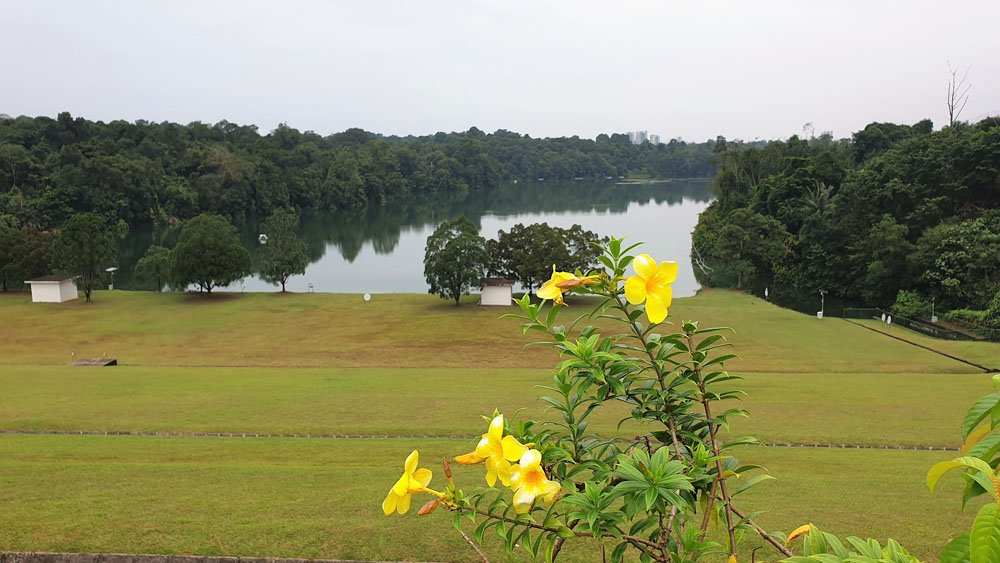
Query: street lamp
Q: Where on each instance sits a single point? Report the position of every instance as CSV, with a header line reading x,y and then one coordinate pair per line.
x,y
111,271
822,303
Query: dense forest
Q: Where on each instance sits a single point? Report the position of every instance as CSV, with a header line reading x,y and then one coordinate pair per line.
x,y
154,173
897,215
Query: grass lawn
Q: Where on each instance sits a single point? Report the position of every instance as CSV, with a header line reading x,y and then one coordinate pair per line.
x,y
447,401
338,330
413,366
320,498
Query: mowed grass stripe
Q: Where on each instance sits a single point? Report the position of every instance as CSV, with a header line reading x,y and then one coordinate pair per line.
x,y
318,498
399,330
861,409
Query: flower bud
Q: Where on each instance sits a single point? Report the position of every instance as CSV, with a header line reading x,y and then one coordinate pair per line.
x,y
429,507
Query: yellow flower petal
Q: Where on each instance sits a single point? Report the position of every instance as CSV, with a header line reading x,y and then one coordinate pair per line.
x,y
635,290
548,291
530,460
491,472
668,271
644,265
403,504
496,429
389,504
503,473
551,489
421,477
512,449
656,310
411,462
402,485
469,459
522,500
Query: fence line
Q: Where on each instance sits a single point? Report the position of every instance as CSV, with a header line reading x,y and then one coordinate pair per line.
x,y
779,444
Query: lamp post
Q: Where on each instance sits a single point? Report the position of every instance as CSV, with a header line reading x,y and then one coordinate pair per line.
x,y
111,271
822,303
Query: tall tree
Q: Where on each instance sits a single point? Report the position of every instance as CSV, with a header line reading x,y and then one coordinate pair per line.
x,y
283,254
527,253
455,259
209,254
958,92
85,247
154,267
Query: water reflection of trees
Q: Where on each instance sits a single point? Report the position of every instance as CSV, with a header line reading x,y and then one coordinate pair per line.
x,y
382,227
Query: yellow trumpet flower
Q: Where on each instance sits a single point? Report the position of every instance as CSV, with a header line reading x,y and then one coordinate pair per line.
x,y
496,451
413,481
651,285
560,283
528,481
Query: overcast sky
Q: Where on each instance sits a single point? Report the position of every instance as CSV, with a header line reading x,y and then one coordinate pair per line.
x,y
692,69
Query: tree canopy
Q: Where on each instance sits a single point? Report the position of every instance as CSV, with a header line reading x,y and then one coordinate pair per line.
x,y
142,172
282,255
85,247
154,267
527,253
455,259
896,210
208,254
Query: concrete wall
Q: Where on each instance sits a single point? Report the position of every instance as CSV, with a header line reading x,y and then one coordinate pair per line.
x,y
496,295
47,292
53,292
67,290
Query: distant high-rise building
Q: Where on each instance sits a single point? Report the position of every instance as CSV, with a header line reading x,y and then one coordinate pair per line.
x,y
640,137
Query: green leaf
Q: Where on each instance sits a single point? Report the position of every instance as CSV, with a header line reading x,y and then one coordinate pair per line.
x,y
745,483
984,539
978,412
983,473
957,550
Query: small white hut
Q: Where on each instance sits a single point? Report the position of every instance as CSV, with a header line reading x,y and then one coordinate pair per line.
x,y
497,291
53,289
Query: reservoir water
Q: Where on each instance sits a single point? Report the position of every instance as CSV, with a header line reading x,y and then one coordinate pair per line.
x,y
381,250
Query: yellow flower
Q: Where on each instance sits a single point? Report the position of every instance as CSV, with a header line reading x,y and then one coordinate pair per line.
x,y
560,283
496,451
528,482
413,481
652,285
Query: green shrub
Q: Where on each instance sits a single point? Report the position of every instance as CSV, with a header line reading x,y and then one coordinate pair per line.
x,y
967,315
911,304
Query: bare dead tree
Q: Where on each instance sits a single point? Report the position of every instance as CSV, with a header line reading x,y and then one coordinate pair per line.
x,y
958,92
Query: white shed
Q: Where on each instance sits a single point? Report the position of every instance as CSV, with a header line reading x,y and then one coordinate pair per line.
x,y
53,289
497,291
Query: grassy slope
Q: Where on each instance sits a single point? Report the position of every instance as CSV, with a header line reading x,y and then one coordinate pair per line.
x,y
982,353
331,330
425,368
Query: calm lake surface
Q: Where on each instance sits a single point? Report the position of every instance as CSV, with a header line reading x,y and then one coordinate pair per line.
x,y
381,250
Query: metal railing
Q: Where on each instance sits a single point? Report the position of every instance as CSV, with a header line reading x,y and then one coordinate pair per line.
x,y
923,327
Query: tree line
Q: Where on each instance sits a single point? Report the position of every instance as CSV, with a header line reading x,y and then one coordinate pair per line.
x,y
208,253
897,215
457,258
164,173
